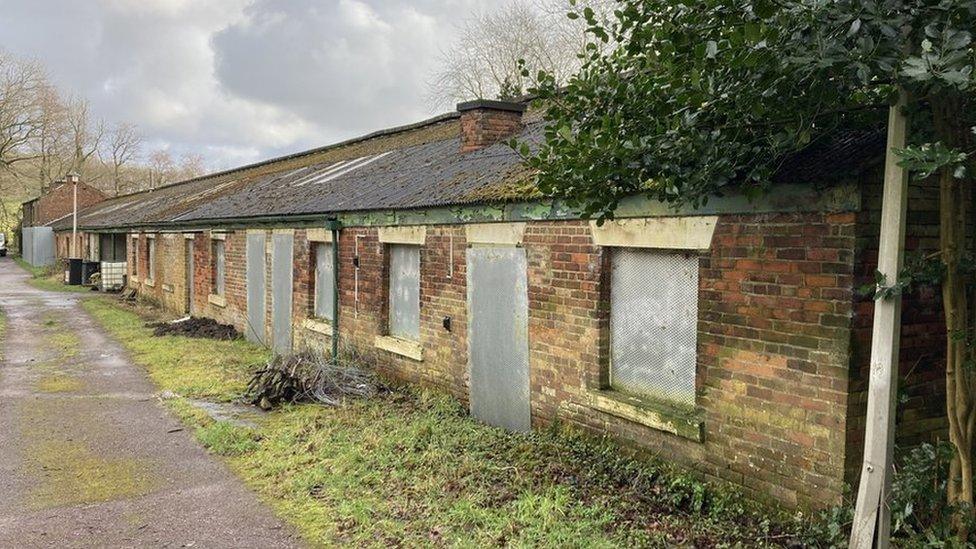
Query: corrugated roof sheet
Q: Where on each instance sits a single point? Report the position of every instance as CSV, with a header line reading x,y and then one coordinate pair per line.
x,y
413,167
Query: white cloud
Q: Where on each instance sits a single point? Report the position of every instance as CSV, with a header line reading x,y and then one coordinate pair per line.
x,y
240,80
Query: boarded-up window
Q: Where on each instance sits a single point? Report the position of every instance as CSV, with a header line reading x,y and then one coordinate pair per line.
x,y
135,255
654,324
405,291
151,258
324,281
218,267
92,247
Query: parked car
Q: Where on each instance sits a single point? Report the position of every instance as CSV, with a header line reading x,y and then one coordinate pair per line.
x,y
3,244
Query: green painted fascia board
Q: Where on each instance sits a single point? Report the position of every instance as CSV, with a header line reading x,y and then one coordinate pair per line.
x,y
788,198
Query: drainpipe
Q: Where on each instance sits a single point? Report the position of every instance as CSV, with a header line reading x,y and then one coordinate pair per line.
x,y
335,225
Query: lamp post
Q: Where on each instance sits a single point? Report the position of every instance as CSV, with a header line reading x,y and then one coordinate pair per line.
x,y
73,178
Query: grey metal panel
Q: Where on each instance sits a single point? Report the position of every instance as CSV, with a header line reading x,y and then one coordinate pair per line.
x,y
39,242
324,281
256,288
220,269
281,283
405,291
654,323
190,271
498,337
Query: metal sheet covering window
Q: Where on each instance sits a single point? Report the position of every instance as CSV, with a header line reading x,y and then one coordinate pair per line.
x,y
405,291
324,281
218,267
654,323
151,258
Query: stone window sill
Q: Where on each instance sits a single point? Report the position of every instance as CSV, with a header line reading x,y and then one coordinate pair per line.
x,y
649,413
134,278
402,347
149,282
318,326
217,300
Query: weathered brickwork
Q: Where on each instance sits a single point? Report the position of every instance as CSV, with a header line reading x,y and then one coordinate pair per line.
x,y
775,311
772,363
921,406
482,127
363,304
59,202
169,285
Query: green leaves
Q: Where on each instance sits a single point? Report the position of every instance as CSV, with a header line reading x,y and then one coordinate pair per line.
x,y
699,95
945,57
926,159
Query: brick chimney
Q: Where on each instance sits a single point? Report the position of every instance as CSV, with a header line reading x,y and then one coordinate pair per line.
x,y
485,122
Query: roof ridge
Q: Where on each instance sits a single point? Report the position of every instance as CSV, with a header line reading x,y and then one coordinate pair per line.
x,y
291,156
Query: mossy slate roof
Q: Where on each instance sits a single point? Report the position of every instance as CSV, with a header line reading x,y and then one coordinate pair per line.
x,y
413,167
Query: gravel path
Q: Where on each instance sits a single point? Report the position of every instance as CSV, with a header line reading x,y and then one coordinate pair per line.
x,y
88,455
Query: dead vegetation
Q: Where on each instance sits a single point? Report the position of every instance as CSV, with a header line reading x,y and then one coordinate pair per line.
x,y
309,377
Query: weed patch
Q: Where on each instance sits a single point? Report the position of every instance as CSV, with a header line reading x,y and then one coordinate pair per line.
x,y
71,474
75,471
59,383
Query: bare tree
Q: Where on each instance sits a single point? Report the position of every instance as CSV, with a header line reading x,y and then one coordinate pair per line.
x,y
86,135
191,165
20,118
122,147
53,156
20,111
484,61
161,168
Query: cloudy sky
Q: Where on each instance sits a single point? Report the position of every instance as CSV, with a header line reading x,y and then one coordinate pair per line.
x,y
240,80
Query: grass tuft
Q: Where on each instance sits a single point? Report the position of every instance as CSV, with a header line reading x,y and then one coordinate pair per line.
x,y
227,439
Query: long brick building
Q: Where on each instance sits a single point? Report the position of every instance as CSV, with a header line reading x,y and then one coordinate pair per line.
x,y
728,338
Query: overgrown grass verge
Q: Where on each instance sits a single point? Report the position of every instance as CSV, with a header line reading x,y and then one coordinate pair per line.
x,y
410,467
49,279
193,368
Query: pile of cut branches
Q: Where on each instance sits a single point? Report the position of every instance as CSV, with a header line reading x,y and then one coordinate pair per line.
x,y
309,377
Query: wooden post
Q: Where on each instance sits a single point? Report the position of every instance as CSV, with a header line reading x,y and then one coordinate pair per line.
x,y
872,516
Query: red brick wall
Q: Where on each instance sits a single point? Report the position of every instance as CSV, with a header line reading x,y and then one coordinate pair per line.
x,y
772,361
481,127
59,202
235,291
363,314
774,332
921,407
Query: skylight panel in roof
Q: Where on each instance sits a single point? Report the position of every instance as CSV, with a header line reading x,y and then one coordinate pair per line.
x,y
338,171
314,174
